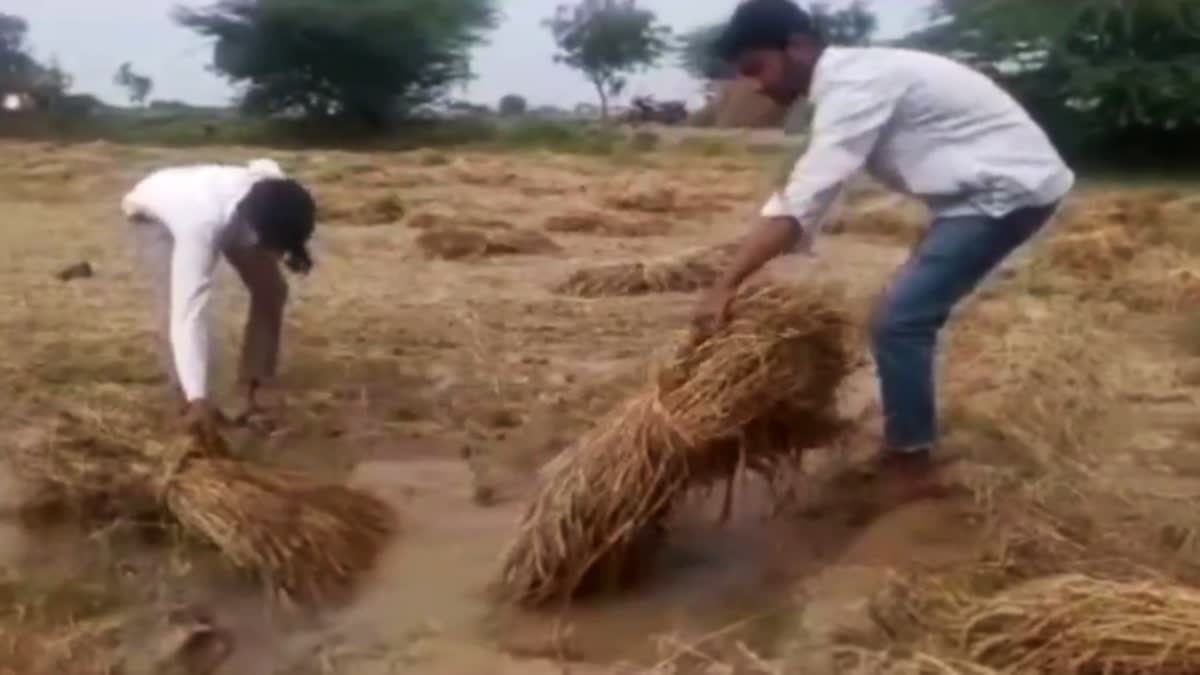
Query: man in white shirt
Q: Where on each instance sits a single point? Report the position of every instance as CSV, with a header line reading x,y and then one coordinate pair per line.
x,y
922,125
183,218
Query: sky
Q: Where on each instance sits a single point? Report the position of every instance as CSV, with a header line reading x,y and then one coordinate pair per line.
x,y
90,39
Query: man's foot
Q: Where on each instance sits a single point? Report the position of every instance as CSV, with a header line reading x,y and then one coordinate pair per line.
x,y
903,477
893,478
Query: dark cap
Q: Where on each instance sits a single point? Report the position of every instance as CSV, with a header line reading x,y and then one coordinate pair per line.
x,y
763,24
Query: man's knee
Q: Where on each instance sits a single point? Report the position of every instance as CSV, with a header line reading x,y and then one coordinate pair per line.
x,y
884,325
894,319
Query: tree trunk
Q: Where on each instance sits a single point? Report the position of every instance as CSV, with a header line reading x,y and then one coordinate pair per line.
x,y
603,99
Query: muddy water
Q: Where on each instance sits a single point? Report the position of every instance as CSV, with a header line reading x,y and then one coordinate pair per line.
x,y
427,608
431,589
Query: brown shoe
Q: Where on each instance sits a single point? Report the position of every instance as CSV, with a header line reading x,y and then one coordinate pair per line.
x,y
913,475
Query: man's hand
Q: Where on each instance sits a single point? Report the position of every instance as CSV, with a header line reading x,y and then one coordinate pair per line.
x,y
713,311
203,422
772,238
262,403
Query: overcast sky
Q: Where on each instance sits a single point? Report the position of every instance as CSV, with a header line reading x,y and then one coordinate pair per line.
x,y
91,38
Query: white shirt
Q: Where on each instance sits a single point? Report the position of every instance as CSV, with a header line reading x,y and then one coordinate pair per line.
x,y
196,204
922,125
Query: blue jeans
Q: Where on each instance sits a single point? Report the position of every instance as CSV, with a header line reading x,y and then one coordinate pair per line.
x,y
956,254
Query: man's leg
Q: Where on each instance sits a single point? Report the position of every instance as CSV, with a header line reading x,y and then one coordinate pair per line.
x,y
947,265
153,245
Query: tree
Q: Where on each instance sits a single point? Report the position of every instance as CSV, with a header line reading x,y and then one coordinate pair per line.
x,y
513,105
138,86
606,40
1109,79
20,72
697,54
364,61
854,25
15,61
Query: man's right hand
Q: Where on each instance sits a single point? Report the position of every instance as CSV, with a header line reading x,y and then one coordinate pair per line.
x,y
713,311
202,422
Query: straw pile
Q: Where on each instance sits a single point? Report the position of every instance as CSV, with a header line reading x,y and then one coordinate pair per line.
x,y
677,274
674,275
430,220
355,208
759,391
306,540
601,224
645,197
891,217
859,661
1100,253
1075,625
459,243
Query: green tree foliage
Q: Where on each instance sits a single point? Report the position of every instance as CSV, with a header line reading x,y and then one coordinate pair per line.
x,y
697,53
1115,80
137,86
15,61
20,71
853,25
366,61
606,40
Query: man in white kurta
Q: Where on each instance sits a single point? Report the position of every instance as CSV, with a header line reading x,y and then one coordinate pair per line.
x,y
925,126
184,219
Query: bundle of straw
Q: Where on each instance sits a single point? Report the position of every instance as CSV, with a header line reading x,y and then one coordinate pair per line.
x,y
667,276
760,390
1077,625
306,540
860,661
460,243
604,224
678,274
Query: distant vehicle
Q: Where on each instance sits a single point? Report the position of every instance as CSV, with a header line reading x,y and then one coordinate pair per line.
x,y
459,110
646,110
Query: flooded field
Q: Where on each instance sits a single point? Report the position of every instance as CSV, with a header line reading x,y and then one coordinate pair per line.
x,y
437,357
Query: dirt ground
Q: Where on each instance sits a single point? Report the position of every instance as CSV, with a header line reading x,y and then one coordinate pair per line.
x,y
429,359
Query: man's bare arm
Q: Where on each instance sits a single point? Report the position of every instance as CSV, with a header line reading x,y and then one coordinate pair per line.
x,y
268,289
772,238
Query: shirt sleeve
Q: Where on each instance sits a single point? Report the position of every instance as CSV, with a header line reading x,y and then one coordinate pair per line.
x,y
192,263
845,130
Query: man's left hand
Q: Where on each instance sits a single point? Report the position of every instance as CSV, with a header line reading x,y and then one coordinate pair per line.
x,y
203,423
262,405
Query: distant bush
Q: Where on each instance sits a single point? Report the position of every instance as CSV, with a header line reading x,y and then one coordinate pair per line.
x,y
513,105
560,137
198,129
708,146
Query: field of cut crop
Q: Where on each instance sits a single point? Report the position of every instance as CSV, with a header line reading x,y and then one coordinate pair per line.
x,y
473,313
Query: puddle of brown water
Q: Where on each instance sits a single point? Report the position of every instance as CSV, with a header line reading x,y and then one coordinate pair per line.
x,y
427,609
14,543
732,579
